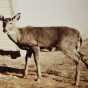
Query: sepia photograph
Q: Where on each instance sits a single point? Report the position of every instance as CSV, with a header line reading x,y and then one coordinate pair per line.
x,y
43,43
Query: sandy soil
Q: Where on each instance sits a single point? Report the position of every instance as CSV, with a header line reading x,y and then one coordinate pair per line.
x,y
57,71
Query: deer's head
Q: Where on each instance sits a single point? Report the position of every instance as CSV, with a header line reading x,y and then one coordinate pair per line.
x,y
8,23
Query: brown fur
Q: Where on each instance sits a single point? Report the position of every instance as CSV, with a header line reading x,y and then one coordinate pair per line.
x,y
48,36
65,39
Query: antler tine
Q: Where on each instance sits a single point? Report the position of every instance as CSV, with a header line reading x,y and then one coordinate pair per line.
x,y
17,15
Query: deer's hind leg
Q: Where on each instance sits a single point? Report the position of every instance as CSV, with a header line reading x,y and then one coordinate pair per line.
x,y
74,55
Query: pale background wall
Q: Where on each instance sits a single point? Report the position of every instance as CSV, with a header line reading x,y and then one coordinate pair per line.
x,y
4,7
6,10
73,13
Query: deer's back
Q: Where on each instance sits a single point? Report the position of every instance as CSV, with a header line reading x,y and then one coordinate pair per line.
x,y
49,36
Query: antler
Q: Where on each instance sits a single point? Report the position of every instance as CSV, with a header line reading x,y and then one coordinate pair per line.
x,y
16,16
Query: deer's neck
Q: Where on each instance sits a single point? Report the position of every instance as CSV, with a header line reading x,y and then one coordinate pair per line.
x,y
14,34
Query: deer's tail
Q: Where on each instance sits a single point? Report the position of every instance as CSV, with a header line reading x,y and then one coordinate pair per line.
x,y
83,58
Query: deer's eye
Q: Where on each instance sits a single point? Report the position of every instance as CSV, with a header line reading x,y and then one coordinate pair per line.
x,y
10,23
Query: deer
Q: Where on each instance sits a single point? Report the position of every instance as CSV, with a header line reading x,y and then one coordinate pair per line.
x,y
33,39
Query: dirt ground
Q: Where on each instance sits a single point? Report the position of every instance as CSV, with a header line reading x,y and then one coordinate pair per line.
x,y
57,71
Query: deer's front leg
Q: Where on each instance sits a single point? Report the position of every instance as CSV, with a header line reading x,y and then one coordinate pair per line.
x,y
36,52
24,54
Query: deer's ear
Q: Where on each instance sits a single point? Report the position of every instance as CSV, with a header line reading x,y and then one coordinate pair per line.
x,y
1,18
16,17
